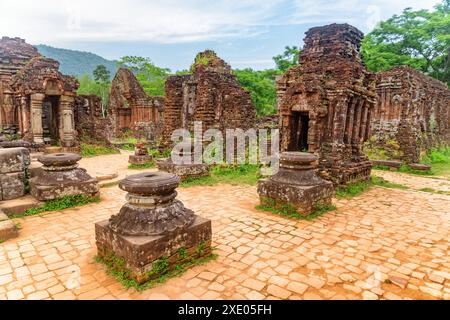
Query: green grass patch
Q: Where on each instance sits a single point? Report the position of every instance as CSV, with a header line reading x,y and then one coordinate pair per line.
x,y
59,205
90,150
289,211
234,175
439,159
430,190
380,182
352,190
150,165
116,267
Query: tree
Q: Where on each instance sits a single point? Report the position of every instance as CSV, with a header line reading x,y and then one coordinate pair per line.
x,y
419,39
101,74
151,77
288,59
261,85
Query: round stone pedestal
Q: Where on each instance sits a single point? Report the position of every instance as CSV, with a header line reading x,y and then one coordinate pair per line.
x,y
297,183
60,176
153,226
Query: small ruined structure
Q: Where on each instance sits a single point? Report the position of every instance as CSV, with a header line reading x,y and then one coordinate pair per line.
x,y
90,121
14,165
297,184
141,155
326,103
153,228
36,100
210,94
185,166
60,176
132,109
412,114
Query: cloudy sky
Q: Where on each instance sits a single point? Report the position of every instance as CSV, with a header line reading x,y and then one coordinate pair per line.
x,y
246,33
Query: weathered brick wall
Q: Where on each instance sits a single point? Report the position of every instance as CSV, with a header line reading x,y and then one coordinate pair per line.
x,y
412,114
90,121
132,109
210,94
326,103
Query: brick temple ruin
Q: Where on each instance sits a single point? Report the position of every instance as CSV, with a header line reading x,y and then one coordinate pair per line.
x,y
36,100
132,109
327,101
212,94
412,114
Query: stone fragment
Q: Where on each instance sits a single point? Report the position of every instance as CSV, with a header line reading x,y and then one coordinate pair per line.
x,y
297,184
8,230
153,229
141,155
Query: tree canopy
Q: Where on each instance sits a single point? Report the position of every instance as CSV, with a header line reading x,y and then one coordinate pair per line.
x,y
151,77
101,74
288,59
420,39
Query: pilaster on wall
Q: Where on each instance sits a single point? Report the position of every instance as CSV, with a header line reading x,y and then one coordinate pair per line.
x,y
66,124
37,101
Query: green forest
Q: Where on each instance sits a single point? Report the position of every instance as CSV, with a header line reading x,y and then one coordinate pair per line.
x,y
420,39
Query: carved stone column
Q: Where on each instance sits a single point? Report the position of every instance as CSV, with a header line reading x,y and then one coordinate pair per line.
x,y
66,129
37,101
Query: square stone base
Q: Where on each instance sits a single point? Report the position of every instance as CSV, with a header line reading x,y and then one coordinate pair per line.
x,y
141,253
140,160
184,171
46,193
305,199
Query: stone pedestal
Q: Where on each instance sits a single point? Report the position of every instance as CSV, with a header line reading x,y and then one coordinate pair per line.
x,y
141,155
14,164
184,168
152,227
297,183
60,176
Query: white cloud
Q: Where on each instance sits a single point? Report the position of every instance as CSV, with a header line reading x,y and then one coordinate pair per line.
x,y
136,20
175,21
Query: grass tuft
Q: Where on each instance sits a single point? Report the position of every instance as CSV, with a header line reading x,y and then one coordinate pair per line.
x,y
59,205
225,174
90,150
289,211
380,182
352,190
149,165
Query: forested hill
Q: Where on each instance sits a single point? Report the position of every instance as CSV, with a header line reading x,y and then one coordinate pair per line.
x,y
77,63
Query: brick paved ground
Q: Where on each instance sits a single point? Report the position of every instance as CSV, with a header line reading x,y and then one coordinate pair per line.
x,y
384,234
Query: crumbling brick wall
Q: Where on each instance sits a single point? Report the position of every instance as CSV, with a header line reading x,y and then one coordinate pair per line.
x,y
132,109
211,94
412,114
326,103
15,53
90,121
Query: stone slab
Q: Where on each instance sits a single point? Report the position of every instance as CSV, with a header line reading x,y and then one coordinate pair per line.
x,y
12,186
8,230
140,252
14,160
387,163
19,205
420,167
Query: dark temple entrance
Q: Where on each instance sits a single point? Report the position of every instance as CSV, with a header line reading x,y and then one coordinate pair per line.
x,y
299,132
50,120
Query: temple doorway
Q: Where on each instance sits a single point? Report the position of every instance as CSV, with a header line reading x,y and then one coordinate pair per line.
x,y
299,133
50,120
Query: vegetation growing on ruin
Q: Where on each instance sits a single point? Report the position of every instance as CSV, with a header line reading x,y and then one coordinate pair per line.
x,y
439,159
59,205
90,150
226,174
352,190
117,268
289,211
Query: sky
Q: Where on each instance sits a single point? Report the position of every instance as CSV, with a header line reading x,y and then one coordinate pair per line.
x,y
245,33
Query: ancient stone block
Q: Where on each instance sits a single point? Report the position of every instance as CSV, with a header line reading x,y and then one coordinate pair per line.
x,y
152,226
12,185
141,155
412,114
326,103
297,184
14,160
184,167
387,163
420,167
60,176
210,94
